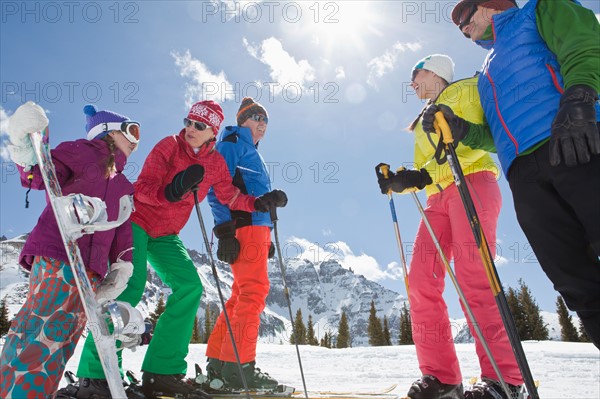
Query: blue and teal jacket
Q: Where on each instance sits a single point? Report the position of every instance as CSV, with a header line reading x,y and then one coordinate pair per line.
x,y
249,173
520,85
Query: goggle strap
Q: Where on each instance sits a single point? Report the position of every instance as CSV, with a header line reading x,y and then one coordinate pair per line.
x,y
103,127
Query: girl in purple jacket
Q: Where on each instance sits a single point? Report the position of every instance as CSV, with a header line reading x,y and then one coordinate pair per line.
x,y
44,333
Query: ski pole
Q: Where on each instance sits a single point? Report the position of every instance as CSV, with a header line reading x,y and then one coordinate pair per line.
x,y
384,169
216,276
461,295
445,133
286,291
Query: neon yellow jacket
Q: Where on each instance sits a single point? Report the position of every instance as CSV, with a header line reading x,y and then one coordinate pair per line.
x,y
463,97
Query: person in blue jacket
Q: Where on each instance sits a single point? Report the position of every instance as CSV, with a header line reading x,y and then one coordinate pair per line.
x,y
245,243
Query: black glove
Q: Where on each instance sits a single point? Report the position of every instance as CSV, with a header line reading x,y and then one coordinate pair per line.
x,y
147,334
404,179
183,182
575,135
271,250
458,126
273,199
228,249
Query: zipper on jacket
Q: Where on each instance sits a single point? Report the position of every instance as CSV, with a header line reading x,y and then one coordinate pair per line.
x,y
512,138
555,79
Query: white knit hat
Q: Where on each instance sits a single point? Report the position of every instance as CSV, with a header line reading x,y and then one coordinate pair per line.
x,y
440,64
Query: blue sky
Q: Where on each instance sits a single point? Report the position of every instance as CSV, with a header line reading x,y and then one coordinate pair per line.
x,y
333,76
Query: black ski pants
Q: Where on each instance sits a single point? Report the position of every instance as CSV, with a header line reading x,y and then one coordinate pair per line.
x,y
558,208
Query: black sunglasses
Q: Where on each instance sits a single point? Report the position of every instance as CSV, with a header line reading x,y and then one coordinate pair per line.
x,y
467,20
259,118
197,125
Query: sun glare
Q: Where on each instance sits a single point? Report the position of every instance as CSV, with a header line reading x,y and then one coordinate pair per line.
x,y
336,24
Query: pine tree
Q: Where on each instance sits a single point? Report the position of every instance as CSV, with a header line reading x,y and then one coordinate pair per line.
x,y
343,338
405,327
311,339
196,336
583,336
538,329
4,321
326,341
568,332
209,323
160,308
387,338
516,309
374,329
299,330
526,313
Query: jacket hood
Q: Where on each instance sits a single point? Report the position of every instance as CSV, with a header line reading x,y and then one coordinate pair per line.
x,y
244,133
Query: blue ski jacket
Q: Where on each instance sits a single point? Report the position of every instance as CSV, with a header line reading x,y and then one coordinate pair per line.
x,y
249,173
520,85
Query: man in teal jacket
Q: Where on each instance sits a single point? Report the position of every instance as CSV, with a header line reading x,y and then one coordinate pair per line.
x,y
539,90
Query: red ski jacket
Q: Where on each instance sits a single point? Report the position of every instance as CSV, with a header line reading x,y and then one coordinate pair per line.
x,y
159,217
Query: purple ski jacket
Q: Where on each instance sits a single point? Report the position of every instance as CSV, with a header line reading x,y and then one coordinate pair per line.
x,y
80,167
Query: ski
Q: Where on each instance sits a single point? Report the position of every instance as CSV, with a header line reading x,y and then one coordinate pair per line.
x,y
96,314
286,393
381,392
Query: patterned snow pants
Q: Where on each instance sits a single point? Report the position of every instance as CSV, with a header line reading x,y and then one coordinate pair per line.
x,y
44,333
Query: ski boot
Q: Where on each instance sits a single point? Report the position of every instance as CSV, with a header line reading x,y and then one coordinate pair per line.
x,y
256,379
93,388
214,380
213,368
490,389
70,391
429,387
175,385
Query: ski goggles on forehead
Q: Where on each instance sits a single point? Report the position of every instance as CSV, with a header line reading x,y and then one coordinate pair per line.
x,y
259,118
131,131
197,125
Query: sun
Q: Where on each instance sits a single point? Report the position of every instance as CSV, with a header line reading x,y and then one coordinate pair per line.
x,y
339,25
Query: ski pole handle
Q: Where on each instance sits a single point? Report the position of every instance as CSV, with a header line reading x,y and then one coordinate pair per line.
x,y
442,128
383,169
273,213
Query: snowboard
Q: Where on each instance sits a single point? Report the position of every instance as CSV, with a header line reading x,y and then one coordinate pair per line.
x,y
96,315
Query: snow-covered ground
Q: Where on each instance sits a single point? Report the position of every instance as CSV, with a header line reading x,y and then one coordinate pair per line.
x,y
564,370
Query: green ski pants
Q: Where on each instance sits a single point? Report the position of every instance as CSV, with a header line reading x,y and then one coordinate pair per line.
x,y
169,345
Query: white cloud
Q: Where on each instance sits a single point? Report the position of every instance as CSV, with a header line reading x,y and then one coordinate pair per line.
x,y
3,135
286,72
204,85
340,73
326,232
3,122
341,252
500,260
386,62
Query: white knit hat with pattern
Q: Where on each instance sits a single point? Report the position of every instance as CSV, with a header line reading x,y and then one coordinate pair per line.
x,y
440,64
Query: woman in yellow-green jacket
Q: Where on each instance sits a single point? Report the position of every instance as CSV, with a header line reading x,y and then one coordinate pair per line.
x,y
432,80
